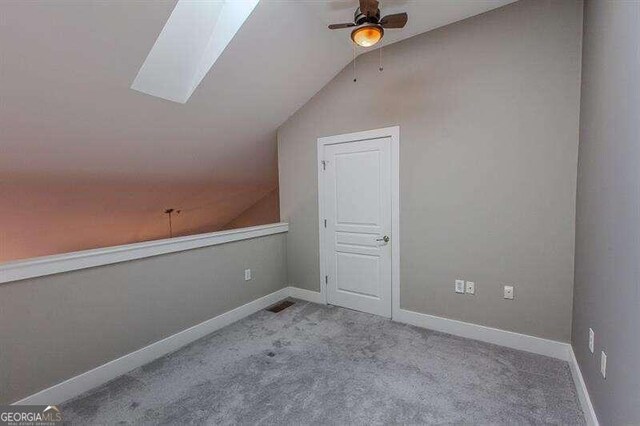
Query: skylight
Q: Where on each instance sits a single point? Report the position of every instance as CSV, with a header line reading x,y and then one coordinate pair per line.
x,y
191,41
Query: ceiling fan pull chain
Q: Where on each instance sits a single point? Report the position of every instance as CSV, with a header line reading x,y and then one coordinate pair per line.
x,y
354,64
381,68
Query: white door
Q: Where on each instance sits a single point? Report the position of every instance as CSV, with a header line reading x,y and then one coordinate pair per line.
x,y
357,209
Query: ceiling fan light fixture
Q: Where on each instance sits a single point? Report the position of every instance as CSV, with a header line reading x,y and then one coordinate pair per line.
x,y
368,35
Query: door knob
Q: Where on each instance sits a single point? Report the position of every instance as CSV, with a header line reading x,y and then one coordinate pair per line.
x,y
385,239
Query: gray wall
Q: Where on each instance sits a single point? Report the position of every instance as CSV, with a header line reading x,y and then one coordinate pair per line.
x,y
488,114
607,274
53,328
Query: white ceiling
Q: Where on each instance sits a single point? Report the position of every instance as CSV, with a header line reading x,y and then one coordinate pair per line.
x,y
67,110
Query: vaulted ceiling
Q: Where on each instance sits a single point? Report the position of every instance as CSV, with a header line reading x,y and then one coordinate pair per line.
x,y
67,111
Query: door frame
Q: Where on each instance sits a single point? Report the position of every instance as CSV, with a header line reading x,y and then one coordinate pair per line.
x,y
394,134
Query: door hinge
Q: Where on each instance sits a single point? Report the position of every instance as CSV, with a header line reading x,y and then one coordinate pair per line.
x,y
326,279
324,165
325,223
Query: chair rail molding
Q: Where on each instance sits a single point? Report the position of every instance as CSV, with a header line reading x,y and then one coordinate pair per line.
x,y
49,265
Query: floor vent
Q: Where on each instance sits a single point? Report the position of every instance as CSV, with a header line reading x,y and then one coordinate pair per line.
x,y
280,306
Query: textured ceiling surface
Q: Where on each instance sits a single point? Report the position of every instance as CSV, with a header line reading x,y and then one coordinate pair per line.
x,y
67,109
82,151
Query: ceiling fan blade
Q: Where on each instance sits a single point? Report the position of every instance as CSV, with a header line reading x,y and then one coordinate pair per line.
x,y
398,20
369,7
339,26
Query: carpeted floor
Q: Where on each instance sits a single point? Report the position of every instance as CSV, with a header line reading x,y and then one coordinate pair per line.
x,y
312,364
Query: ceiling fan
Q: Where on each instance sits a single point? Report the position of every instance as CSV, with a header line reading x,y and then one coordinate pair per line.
x,y
370,26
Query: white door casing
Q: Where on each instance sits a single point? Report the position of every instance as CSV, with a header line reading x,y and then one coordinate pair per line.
x,y
359,206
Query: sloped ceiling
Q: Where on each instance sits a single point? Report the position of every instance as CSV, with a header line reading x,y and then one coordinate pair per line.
x,y
67,113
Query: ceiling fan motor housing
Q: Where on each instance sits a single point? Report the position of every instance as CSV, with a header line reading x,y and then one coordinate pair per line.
x,y
360,18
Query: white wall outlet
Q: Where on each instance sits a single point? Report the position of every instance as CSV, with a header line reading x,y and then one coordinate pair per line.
x,y
459,286
247,274
471,287
592,339
508,292
603,364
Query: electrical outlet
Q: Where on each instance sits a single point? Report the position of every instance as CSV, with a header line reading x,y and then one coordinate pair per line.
x,y
592,339
459,286
603,364
247,274
471,287
508,292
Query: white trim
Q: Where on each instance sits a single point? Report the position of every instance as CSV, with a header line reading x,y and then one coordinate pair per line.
x,y
48,265
308,295
86,381
323,268
395,220
581,388
394,134
523,342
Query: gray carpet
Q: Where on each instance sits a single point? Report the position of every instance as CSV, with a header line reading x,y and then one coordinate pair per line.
x,y
312,364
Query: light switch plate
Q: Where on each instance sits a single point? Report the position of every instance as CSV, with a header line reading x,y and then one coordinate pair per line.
x,y
247,274
508,292
471,287
592,338
459,288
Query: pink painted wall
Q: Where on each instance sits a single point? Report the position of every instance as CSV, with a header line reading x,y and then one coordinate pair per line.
x,y
48,216
261,213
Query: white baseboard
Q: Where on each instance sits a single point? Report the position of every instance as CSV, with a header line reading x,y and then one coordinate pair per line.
x,y
510,339
523,342
581,388
79,384
496,336
308,295
86,381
